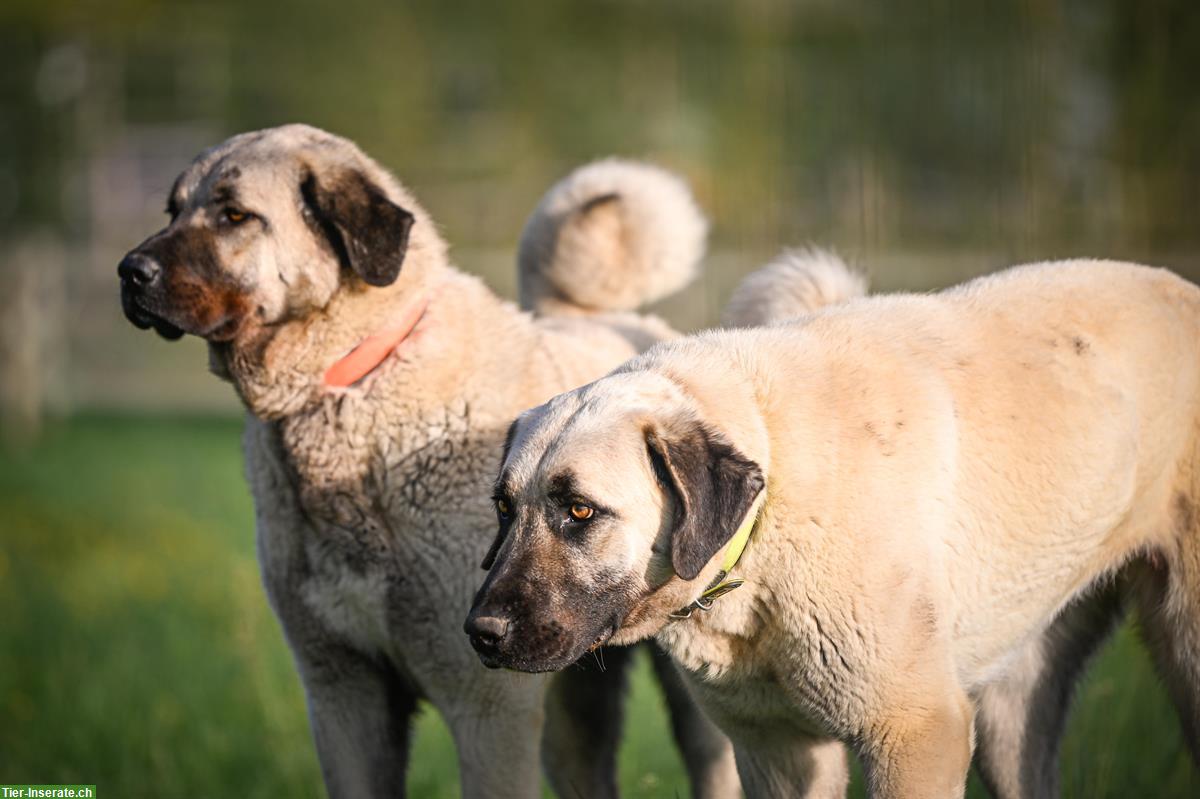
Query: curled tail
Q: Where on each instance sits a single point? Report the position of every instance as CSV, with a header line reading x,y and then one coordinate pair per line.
x,y
611,236
797,282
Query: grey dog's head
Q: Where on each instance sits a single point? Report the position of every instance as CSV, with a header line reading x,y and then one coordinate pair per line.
x,y
610,498
263,228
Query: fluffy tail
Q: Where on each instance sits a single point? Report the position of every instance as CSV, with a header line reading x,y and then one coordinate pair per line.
x,y
797,282
611,236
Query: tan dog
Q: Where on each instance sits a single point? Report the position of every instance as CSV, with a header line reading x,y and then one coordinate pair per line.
x,y
952,492
379,381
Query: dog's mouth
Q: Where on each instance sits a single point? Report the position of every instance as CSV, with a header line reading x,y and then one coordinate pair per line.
x,y
563,661
145,319
602,639
225,328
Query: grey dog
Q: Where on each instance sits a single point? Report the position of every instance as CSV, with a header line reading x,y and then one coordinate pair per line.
x,y
378,381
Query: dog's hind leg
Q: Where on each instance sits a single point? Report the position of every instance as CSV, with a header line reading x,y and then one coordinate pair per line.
x,y
707,753
1166,587
1020,718
584,716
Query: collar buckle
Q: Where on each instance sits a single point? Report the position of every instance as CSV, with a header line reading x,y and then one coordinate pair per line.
x,y
719,588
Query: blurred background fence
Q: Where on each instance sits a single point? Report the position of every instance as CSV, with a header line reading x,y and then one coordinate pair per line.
x,y
927,140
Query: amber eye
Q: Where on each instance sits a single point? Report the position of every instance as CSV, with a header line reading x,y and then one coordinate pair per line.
x,y
502,508
235,217
581,513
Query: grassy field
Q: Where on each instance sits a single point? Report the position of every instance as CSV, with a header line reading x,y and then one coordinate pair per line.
x,y
137,651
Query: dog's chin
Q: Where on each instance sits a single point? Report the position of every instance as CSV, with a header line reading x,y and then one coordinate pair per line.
x,y
147,321
167,330
529,665
536,664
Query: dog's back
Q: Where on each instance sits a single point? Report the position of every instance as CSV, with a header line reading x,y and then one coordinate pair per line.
x,y
1031,436
1065,396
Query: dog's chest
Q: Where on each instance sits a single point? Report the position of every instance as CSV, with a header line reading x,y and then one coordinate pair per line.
x,y
398,514
801,678
352,603
374,469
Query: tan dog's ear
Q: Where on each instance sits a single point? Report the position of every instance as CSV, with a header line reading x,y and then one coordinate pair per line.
x,y
367,231
713,485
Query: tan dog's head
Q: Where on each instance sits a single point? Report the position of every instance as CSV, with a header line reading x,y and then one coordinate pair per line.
x,y
606,495
266,227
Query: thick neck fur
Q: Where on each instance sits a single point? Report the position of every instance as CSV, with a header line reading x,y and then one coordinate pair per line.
x,y
715,641
718,642
278,370
349,448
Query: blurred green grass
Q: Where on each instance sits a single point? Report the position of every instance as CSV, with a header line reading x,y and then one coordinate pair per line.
x,y
137,651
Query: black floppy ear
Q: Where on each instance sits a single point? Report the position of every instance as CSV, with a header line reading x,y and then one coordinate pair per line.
x,y
367,231
714,487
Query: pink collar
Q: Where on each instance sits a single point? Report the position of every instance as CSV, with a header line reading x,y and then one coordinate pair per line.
x,y
375,348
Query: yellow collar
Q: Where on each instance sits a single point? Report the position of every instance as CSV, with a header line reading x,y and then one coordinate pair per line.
x,y
722,584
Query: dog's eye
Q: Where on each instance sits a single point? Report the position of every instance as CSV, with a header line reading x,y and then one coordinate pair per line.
x,y
502,509
235,217
580,512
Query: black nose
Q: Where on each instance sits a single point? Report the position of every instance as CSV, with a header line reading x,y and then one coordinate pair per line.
x,y
487,632
138,270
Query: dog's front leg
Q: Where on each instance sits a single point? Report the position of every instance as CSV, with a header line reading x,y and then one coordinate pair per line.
x,y
497,734
359,708
707,753
781,766
921,749
361,713
585,708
